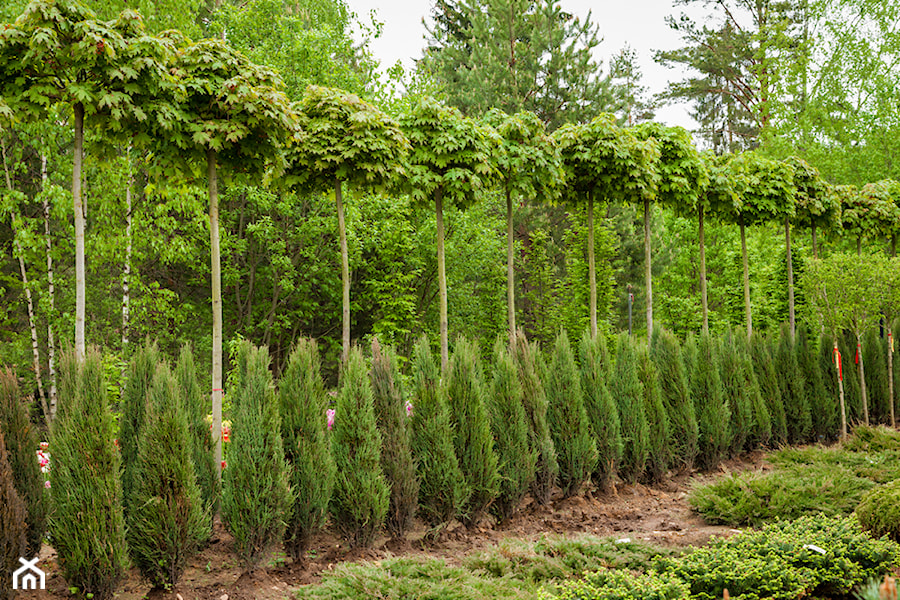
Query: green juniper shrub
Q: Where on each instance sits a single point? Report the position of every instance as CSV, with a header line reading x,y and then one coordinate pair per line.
x,y
829,417
875,362
761,421
168,519
256,493
659,455
873,439
21,446
517,458
738,383
13,530
442,487
576,451
601,408
628,391
713,413
138,377
761,351
471,426
820,404
392,412
667,355
610,584
879,511
361,495
194,403
87,523
528,359
793,389
307,447
852,386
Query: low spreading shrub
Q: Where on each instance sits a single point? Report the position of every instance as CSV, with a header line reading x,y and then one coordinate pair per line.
x,y
607,584
879,511
873,439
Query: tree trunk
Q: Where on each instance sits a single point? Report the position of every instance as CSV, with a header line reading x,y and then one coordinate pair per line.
x,y
126,269
345,276
790,276
442,279
890,354
814,244
510,272
862,380
703,298
216,277
648,267
837,363
51,291
592,265
79,233
747,310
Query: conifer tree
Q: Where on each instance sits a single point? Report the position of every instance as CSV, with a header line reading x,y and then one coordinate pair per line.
x,y
830,419
168,520
738,386
713,414
602,411
820,403
13,531
769,387
852,384
874,350
668,357
761,430
361,494
307,448
393,416
627,389
516,457
659,453
138,377
471,425
793,389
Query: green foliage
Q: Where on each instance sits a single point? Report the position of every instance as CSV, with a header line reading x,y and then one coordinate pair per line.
x,y
679,405
570,428
767,376
167,520
307,449
659,453
87,525
825,421
761,420
361,494
874,352
138,377
763,189
828,418
628,390
393,417
739,381
13,528
602,411
527,159
879,511
873,439
710,402
792,384
607,584
681,171
256,493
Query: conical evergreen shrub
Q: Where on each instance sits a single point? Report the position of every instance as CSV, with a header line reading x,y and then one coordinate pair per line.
x,y
852,386
509,423
793,390
737,385
361,495
667,355
659,452
820,404
442,487
471,425
168,520
528,361
138,377
87,523
713,414
13,530
576,451
627,389
764,366
761,430
194,404
21,445
875,362
830,419
256,494
307,447
602,411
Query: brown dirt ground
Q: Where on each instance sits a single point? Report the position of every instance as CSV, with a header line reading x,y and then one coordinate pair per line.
x,y
656,513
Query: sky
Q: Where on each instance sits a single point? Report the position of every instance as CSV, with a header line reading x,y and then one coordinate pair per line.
x,y
638,23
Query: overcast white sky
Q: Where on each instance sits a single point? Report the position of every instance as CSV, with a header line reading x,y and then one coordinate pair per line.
x,y
639,23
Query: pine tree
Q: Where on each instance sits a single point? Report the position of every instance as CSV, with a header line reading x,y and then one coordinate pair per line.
x,y
138,377
602,411
738,386
13,531
769,387
627,389
875,361
509,422
307,447
669,360
713,414
659,452
168,519
361,494
761,430
793,389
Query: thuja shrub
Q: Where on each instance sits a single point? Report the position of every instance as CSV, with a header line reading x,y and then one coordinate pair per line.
x,y
528,359
821,405
307,448
442,487
21,446
659,453
760,434
852,385
738,382
761,352
194,403
713,414
875,363
879,511
509,423
602,411
576,451
87,523
256,494
168,519
830,418
12,523
666,353
392,413
628,391
793,389
608,584
138,377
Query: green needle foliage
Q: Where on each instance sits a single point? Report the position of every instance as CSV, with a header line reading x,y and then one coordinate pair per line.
x,y
713,414
739,382
307,448
769,387
673,382
602,411
576,450
87,523
256,493
138,377
168,520
516,457
829,419
361,496
442,487
659,453
761,429
13,530
793,390
821,405
875,360
879,511
393,419
610,583
21,444
628,391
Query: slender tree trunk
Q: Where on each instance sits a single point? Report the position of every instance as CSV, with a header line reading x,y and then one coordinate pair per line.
x,y
510,272
592,265
890,354
442,278
747,310
345,276
51,291
703,297
126,269
216,276
79,233
862,380
814,244
649,269
790,276
837,364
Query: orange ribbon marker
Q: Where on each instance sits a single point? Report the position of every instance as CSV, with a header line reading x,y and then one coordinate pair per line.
x,y
837,362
